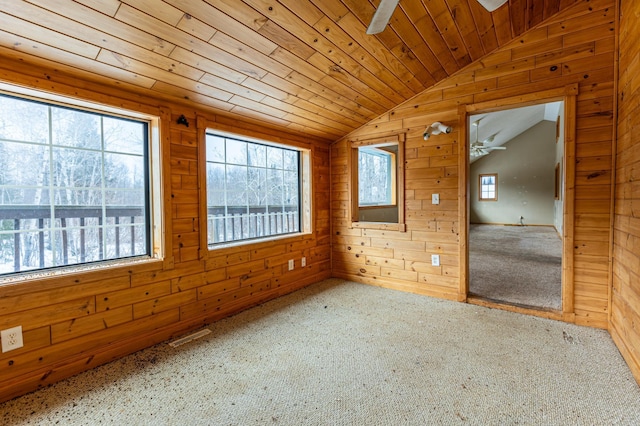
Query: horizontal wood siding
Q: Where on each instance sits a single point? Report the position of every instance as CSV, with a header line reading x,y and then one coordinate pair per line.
x,y
76,321
575,46
625,294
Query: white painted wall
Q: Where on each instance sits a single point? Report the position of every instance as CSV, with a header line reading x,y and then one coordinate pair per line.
x,y
526,171
558,205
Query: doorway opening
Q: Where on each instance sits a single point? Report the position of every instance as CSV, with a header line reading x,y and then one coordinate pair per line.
x,y
515,219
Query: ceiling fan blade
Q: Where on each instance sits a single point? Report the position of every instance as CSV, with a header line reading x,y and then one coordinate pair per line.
x,y
491,5
381,17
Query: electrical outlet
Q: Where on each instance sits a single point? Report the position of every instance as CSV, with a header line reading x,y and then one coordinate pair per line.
x,y
291,265
11,338
303,262
435,260
435,198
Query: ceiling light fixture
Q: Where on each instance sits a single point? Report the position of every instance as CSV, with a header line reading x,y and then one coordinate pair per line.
x,y
435,129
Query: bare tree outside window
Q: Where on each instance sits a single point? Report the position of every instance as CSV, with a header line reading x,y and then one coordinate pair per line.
x,y
73,186
253,190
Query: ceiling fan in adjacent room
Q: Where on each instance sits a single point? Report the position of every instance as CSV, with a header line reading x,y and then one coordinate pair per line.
x,y
386,7
478,148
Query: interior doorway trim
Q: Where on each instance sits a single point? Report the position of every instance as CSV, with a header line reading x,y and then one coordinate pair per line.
x,y
568,94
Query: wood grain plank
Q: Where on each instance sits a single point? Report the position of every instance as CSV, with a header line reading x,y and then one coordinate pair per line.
x,y
375,57
159,10
98,21
230,25
502,24
40,34
13,46
447,27
466,26
484,25
518,13
108,7
141,21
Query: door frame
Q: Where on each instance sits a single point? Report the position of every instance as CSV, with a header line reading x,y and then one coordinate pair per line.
x,y
568,95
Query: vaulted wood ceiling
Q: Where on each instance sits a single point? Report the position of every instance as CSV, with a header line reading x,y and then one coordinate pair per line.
x,y
306,65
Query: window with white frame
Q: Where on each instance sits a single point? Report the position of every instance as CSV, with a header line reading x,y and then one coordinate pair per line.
x,y
253,189
74,186
488,184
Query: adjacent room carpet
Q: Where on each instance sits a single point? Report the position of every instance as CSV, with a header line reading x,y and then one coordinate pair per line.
x,y
520,265
341,353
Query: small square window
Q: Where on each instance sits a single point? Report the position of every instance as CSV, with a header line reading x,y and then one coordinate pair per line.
x,y
376,176
488,187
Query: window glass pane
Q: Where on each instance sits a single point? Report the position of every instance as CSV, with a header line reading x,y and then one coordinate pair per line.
x,y
290,188
236,152
257,155
274,158
132,198
123,171
215,149
236,184
215,186
75,128
274,189
75,169
23,121
123,136
83,196
253,190
13,172
77,197
374,177
290,160
257,186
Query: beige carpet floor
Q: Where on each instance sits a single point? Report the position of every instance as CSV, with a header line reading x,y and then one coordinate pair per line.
x,y
341,353
520,265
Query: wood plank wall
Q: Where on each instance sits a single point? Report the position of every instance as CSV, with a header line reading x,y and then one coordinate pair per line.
x,y
576,46
625,297
74,322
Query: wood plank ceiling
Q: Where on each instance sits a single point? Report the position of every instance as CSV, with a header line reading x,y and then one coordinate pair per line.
x,y
305,65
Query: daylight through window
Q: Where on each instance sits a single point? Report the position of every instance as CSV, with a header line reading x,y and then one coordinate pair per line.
x,y
73,186
253,190
376,170
488,187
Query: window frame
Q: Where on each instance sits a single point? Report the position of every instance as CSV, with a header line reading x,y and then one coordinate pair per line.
x,y
304,189
398,187
153,191
480,186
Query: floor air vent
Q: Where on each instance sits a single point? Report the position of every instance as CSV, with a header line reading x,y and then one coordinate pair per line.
x,y
189,338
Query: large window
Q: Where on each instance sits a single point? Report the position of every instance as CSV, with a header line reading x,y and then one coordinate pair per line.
x,y
488,187
74,186
253,189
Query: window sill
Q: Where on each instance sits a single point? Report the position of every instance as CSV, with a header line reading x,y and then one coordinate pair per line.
x,y
64,271
400,227
377,206
270,239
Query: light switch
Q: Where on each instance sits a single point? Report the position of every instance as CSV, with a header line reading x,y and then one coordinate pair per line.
x,y
435,198
435,260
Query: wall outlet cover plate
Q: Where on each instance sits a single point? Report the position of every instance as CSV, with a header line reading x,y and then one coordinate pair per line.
x,y
11,338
